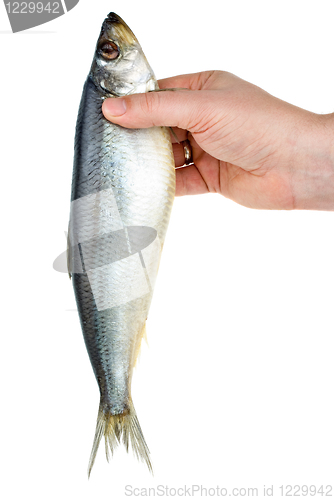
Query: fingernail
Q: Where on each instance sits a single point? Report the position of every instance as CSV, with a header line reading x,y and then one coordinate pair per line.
x,y
115,106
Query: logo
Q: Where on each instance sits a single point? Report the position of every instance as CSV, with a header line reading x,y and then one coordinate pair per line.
x,y
121,261
25,15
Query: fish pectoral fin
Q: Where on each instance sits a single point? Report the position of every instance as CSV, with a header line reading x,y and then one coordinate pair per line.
x,y
174,135
171,89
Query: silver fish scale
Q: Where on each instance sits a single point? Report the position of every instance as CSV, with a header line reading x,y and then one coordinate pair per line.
x,y
135,169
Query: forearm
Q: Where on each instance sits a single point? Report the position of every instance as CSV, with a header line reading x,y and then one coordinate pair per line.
x,y
312,169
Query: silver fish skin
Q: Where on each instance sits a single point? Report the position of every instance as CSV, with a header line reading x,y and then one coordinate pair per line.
x,y
122,193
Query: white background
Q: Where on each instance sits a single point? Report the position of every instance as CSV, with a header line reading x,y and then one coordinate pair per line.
x,y
236,387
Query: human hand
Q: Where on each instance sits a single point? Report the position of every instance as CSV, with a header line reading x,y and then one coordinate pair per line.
x,y
247,145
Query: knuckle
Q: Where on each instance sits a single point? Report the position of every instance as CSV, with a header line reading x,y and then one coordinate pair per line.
x,y
149,103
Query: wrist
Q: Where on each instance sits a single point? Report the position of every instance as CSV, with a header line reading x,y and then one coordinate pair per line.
x,y
313,173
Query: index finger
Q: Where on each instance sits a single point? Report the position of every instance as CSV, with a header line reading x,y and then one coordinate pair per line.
x,y
192,81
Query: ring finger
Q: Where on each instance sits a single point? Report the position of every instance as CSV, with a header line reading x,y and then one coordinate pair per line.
x,y
182,154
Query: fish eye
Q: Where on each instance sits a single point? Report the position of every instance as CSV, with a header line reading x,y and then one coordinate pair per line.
x,y
109,50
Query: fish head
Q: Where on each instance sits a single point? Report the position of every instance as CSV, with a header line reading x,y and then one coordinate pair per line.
x,y
119,65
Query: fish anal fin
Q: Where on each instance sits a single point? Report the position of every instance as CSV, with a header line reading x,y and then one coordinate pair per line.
x,y
68,250
140,336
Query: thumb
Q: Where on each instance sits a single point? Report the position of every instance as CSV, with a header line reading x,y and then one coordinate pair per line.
x,y
170,108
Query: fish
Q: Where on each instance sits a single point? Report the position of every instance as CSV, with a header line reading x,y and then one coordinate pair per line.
x,y
123,187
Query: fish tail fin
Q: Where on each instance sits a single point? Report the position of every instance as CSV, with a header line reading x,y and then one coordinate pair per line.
x,y
119,428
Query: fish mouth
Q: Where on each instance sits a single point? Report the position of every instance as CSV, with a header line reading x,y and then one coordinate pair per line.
x,y
114,28
114,18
